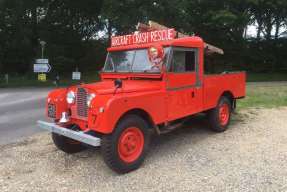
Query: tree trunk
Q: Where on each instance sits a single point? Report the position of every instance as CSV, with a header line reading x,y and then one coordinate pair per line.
x,y
259,29
245,33
277,28
109,28
268,26
35,37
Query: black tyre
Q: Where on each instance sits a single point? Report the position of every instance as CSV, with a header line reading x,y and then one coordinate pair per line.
x,y
219,117
66,144
124,150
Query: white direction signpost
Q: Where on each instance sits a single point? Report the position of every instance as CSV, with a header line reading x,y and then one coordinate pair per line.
x,y
42,61
42,66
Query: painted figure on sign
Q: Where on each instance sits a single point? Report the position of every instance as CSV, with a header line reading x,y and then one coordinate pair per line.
x,y
156,55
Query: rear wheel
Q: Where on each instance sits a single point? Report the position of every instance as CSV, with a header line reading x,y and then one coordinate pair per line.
x,y
219,117
124,150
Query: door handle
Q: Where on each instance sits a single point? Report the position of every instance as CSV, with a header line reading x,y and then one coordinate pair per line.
x,y
192,94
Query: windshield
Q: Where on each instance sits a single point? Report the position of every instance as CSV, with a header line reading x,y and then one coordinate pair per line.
x,y
132,61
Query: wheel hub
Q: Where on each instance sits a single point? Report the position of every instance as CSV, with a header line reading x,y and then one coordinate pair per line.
x,y
130,144
224,114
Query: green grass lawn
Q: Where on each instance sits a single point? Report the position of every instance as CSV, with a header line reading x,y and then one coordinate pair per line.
x,y
268,96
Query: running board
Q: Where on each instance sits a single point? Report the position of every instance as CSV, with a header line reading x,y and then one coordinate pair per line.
x,y
170,128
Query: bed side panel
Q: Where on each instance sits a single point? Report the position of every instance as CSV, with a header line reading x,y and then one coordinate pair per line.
x,y
216,85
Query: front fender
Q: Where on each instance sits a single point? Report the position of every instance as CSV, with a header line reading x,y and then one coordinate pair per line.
x,y
116,106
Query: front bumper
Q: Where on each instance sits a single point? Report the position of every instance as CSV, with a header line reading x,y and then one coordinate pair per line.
x,y
76,135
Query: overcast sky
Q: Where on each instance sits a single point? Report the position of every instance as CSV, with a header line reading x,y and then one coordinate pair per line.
x,y
252,30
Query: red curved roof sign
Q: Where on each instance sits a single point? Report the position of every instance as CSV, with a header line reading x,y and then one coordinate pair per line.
x,y
143,37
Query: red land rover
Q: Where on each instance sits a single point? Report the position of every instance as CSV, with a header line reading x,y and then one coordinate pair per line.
x,y
152,81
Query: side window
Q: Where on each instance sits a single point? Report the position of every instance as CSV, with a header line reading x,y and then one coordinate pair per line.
x,y
183,61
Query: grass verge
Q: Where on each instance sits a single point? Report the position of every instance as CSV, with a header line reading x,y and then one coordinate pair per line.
x,y
264,95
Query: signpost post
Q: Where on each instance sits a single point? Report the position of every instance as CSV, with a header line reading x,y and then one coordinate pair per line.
x,y
7,78
43,44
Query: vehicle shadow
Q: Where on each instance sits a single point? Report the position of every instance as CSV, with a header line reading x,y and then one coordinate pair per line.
x,y
195,131
191,135
196,126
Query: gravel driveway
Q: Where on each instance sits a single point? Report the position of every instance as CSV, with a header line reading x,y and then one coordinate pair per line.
x,y
250,156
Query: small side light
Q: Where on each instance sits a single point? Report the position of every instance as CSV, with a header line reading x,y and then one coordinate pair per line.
x,y
102,109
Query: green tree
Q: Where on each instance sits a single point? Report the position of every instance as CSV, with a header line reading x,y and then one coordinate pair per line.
x,y
16,36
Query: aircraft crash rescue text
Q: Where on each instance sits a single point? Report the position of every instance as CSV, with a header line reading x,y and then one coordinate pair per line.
x,y
144,37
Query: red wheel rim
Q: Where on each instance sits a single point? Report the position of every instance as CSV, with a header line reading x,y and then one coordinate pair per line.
x,y
130,144
224,114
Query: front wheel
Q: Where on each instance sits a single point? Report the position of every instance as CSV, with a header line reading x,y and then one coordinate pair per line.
x,y
219,117
66,144
124,150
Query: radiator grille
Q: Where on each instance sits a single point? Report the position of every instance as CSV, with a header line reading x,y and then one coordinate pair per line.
x,y
51,111
82,108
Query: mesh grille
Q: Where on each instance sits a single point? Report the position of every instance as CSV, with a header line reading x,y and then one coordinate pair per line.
x,y
82,108
51,111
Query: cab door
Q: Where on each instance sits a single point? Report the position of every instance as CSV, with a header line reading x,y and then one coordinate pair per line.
x,y
183,84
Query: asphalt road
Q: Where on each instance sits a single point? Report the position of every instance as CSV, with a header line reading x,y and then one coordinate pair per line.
x,y
19,111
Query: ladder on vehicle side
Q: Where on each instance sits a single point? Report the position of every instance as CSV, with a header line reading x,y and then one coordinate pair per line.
x,y
152,26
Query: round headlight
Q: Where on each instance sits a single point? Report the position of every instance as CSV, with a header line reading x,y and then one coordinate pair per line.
x,y
90,97
71,97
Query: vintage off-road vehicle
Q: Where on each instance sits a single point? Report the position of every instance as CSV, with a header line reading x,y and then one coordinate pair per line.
x,y
151,82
